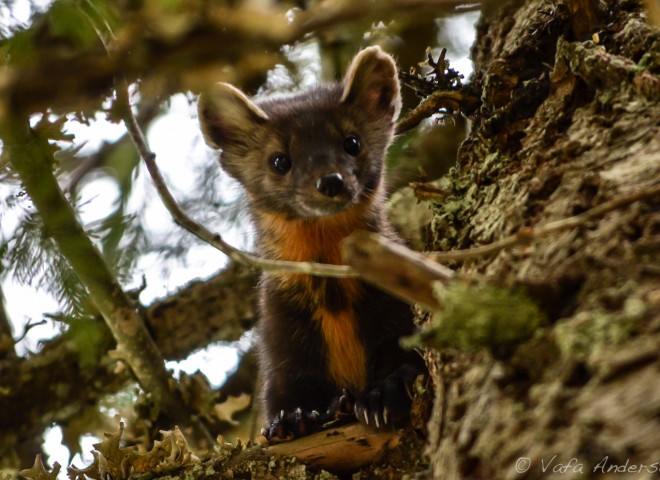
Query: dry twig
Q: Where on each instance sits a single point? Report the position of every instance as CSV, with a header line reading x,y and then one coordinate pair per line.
x,y
339,450
456,101
394,268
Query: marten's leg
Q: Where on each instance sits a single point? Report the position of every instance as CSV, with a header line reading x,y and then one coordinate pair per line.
x,y
295,389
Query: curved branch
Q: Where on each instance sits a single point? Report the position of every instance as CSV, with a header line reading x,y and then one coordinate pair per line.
x,y
454,100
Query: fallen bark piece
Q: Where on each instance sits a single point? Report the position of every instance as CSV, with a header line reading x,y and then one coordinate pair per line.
x,y
338,450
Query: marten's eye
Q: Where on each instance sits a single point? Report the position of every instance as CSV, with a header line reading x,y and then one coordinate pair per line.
x,y
280,163
352,145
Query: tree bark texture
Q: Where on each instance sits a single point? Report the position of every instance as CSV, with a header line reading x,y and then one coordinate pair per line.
x,y
571,119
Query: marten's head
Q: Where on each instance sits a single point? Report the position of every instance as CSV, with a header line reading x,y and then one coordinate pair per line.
x,y
312,154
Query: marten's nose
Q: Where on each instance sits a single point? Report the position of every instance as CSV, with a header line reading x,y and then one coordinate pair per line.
x,y
330,185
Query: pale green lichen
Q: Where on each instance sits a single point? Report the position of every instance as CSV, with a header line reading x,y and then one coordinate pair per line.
x,y
480,317
594,333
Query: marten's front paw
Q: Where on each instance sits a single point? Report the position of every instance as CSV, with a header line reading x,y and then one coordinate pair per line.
x,y
386,404
289,425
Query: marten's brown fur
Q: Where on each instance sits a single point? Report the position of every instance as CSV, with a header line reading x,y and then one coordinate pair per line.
x,y
312,168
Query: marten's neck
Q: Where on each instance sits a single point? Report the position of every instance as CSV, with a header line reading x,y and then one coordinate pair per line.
x,y
313,239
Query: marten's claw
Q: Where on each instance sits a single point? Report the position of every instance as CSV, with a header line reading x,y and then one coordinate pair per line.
x,y
289,425
370,407
386,404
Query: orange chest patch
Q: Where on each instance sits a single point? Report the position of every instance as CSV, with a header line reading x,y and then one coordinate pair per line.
x,y
315,240
318,241
347,364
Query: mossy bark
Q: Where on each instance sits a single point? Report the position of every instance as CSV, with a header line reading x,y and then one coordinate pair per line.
x,y
566,125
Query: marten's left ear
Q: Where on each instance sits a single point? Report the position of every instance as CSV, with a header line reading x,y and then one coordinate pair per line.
x,y
228,117
372,83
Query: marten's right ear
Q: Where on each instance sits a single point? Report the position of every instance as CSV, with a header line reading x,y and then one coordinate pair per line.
x,y
227,116
372,84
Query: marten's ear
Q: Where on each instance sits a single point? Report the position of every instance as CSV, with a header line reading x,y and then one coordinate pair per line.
x,y
227,116
372,83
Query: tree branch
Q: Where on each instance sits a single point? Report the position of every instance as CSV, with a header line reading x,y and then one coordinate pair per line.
x,y
31,156
220,308
339,450
217,309
25,414
189,58
454,100
410,275
394,268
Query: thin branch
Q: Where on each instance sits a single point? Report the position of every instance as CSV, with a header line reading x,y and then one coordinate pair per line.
x,y
527,234
31,156
215,239
29,326
453,100
220,308
410,275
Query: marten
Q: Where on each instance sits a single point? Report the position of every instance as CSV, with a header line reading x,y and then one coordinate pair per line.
x,y
311,165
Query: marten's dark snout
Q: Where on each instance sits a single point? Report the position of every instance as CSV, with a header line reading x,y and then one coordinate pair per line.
x,y
330,185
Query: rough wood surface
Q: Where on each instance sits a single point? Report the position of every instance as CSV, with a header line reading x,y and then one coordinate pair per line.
x,y
338,450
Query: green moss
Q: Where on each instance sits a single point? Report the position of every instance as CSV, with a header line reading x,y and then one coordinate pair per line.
x,y
476,317
492,163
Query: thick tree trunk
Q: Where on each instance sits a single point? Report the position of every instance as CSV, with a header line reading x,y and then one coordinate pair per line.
x,y
567,124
